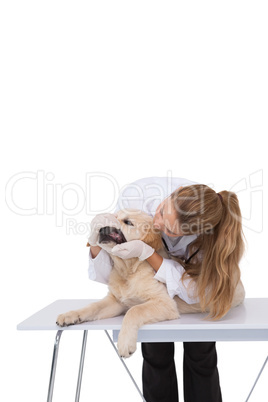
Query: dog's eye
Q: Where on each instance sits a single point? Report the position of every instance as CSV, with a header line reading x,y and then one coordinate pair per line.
x,y
127,222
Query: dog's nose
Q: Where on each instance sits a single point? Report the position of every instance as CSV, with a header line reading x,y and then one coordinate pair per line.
x,y
105,230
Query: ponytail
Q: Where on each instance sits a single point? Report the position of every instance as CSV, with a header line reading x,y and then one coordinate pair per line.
x,y
216,217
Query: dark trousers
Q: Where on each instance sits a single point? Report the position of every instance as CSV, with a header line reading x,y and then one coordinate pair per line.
x,y
200,373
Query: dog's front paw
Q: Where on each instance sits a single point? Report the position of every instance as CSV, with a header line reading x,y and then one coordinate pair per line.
x,y
126,345
70,318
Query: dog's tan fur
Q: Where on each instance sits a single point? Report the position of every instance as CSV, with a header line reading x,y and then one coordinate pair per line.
x,y
133,291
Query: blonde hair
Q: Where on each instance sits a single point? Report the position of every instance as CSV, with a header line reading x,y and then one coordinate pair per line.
x,y
216,219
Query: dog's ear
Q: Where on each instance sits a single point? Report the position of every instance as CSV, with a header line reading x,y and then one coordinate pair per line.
x,y
153,239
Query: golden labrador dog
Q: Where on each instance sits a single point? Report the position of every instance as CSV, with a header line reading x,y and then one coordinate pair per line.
x,y
133,290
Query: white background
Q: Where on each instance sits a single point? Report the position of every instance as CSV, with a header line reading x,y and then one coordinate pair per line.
x,y
119,90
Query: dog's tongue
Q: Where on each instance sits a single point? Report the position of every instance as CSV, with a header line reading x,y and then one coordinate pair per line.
x,y
115,236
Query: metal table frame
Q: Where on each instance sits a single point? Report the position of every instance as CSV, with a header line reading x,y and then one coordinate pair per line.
x,y
248,322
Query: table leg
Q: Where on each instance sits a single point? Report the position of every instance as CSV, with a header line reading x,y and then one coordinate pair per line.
x,y
125,366
257,379
53,366
81,367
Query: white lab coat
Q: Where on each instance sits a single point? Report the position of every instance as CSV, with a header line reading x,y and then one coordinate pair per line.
x,y
146,194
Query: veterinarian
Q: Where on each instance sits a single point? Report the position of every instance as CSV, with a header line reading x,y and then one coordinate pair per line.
x,y
202,229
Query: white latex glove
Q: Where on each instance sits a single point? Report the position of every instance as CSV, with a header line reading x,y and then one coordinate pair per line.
x,y
100,221
131,249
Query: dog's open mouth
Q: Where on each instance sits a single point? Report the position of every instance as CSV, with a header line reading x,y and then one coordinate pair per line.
x,y
108,234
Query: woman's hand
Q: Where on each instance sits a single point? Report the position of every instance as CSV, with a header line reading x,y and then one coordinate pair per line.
x,y
131,249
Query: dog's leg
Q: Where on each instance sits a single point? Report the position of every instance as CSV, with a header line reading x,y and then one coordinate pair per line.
x,y
105,308
149,312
